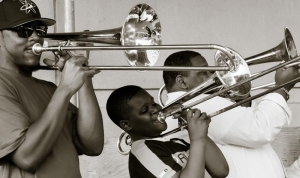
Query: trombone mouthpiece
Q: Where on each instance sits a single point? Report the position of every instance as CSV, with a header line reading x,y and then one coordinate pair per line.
x,y
161,117
37,49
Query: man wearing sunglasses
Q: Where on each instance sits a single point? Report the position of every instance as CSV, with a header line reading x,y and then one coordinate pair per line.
x,y
41,132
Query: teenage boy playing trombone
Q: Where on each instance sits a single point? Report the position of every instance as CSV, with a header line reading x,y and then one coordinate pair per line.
x,y
134,111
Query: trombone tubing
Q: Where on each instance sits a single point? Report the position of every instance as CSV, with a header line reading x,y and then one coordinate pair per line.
x,y
132,47
254,97
38,48
233,86
165,68
238,104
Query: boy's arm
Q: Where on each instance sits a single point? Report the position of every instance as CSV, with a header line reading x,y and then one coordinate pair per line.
x,y
215,162
195,166
197,127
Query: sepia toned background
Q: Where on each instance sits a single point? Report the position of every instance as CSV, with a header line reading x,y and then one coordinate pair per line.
x,y
248,27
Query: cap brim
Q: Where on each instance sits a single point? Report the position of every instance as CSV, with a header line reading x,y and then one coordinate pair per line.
x,y
44,21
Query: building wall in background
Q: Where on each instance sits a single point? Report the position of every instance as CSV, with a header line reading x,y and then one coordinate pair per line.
x,y
248,27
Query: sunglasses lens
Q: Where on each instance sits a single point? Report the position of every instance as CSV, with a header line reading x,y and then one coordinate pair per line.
x,y
41,31
24,32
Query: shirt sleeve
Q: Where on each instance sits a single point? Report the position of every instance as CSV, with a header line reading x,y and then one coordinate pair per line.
x,y
254,126
13,121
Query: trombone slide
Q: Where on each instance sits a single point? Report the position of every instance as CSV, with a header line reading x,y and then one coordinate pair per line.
x,y
163,116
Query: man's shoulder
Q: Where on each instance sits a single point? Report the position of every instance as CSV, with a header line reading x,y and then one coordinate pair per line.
x,y
12,78
45,82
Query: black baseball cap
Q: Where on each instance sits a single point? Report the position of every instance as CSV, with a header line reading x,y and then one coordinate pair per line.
x,y
18,12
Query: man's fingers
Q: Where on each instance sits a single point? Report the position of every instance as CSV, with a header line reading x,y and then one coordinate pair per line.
x,y
91,73
49,62
176,116
61,63
80,60
62,54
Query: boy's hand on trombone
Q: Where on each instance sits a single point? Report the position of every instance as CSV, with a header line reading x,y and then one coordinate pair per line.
x,y
197,124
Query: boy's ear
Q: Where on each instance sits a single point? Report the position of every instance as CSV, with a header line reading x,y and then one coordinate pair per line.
x,y
180,82
125,125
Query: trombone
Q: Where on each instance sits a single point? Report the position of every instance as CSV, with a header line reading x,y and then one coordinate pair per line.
x,y
140,38
163,116
285,51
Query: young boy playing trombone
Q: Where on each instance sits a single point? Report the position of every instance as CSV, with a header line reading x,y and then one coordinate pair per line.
x,y
134,111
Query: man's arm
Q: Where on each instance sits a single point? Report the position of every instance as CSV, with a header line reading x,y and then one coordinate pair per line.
x,y
89,126
268,117
252,127
42,135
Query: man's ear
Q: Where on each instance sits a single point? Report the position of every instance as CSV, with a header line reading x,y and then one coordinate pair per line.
x,y
180,82
125,125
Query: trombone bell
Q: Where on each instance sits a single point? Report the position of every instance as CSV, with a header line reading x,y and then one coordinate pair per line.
x,y
229,78
285,51
141,27
222,79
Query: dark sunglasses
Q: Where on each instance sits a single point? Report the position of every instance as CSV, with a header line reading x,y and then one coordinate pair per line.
x,y
27,31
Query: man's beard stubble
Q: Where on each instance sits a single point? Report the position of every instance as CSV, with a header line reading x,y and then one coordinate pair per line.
x,y
31,68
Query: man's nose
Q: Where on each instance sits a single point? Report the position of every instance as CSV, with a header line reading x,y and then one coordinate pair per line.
x,y
34,36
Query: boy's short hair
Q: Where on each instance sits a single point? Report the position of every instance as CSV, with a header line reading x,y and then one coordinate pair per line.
x,y
181,58
117,103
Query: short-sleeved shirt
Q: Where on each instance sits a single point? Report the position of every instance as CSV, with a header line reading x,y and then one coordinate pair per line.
x,y
22,102
158,157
